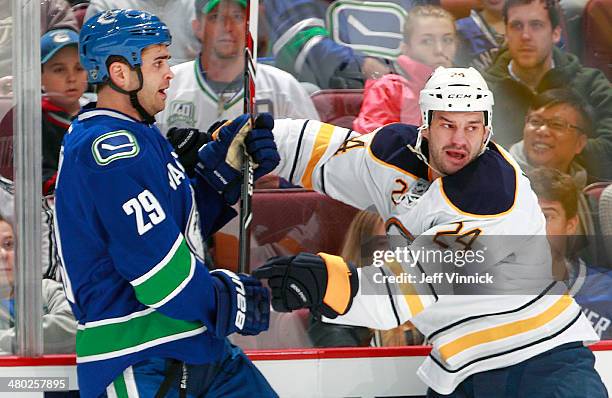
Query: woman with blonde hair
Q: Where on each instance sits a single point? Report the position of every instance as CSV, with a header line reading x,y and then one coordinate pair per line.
x,y
365,234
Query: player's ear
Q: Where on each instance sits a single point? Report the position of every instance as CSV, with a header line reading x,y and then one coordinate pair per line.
x,y
425,132
197,28
119,73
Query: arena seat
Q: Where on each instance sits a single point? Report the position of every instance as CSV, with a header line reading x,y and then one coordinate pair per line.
x,y
599,196
605,219
338,106
595,189
460,8
597,33
6,137
80,10
286,222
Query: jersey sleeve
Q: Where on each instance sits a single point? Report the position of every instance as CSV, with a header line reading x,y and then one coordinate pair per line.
x,y
138,213
337,162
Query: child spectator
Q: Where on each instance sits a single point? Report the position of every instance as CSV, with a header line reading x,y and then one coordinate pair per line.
x,y
59,325
430,40
54,14
63,83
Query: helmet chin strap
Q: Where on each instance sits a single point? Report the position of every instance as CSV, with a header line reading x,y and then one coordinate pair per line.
x,y
486,143
416,149
133,94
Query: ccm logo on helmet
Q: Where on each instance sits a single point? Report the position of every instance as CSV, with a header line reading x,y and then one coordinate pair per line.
x,y
460,96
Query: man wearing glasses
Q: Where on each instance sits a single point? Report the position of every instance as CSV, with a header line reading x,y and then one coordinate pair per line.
x,y
557,127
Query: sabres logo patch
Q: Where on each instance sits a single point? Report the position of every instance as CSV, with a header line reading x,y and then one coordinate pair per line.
x,y
115,145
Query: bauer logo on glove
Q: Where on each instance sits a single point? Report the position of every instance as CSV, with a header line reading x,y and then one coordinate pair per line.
x,y
324,283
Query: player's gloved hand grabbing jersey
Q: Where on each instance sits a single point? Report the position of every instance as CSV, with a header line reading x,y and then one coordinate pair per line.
x,y
243,304
219,154
324,283
187,142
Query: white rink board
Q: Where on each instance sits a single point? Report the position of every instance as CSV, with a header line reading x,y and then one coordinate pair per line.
x,y
365,377
359,376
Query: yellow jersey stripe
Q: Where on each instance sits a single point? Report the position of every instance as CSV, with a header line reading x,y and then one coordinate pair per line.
x,y
410,295
318,150
503,331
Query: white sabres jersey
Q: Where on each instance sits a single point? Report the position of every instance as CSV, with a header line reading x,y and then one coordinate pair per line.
x,y
191,102
472,329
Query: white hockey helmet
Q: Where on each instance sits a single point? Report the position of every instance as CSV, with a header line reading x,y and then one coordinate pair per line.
x,y
456,90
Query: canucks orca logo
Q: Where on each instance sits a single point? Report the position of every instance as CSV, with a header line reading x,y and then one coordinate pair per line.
x,y
114,145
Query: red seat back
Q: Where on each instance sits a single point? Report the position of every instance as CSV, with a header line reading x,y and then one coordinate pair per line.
x,y
286,222
595,189
460,8
6,137
597,28
338,106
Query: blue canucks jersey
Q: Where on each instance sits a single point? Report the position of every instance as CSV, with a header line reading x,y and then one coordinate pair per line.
x,y
303,42
592,290
128,233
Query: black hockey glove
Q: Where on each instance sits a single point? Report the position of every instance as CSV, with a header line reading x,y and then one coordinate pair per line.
x,y
243,304
187,143
324,283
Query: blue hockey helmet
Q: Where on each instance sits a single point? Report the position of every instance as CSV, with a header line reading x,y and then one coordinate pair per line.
x,y
123,33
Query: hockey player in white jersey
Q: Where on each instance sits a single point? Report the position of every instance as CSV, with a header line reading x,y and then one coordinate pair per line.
x,y
444,185
210,88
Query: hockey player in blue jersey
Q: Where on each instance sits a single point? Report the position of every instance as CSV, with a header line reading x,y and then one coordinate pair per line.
x,y
153,319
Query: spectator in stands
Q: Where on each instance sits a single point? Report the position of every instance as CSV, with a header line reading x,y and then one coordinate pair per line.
x,y
556,130
174,13
365,234
430,40
54,14
303,47
591,286
532,65
63,83
59,325
481,34
211,87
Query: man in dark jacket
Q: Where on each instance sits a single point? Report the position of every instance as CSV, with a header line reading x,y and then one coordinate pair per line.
x,y
531,65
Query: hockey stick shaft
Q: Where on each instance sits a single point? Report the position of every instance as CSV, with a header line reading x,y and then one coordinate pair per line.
x,y
246,195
